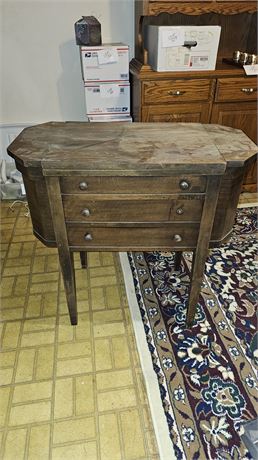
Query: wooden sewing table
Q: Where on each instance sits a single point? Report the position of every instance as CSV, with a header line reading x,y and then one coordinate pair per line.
x,y
132,187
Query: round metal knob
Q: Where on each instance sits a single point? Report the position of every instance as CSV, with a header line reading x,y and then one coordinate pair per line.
x,y
184,185
180,211
88,237
177,238
83,185
86,212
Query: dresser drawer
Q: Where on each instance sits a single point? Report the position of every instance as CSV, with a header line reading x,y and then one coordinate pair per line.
x,y
171,91
170,235
132,185
79,208
236,89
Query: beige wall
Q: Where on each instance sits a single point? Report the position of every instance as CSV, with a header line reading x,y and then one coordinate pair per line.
x,y
40,66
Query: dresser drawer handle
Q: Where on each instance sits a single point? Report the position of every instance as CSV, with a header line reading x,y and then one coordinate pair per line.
x,y
86,212
180,211
177,238
83,185
88,237
248,90
176,93
184,185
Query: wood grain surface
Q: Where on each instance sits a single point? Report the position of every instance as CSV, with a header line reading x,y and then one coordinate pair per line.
x,y
131,148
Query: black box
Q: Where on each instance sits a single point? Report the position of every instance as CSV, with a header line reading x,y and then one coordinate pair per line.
x,y
88,31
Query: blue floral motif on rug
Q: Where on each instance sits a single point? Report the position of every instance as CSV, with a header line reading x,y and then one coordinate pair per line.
x,y
207,373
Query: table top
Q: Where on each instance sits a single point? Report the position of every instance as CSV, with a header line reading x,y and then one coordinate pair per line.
x,y
131,148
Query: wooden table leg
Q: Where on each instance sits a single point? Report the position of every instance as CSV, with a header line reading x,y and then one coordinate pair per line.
x,y
65,255
83,257
178,259
202,248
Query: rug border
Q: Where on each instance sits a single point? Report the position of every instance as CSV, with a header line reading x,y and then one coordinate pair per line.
x,y
164,442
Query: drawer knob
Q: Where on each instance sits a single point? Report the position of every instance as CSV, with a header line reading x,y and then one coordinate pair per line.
x,y
180,211
184,185
88,237
177,238
83,185
176,93
86,212
247,90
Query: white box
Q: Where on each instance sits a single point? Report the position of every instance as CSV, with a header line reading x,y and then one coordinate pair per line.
x,y
105,62
104,98
110,118
167,50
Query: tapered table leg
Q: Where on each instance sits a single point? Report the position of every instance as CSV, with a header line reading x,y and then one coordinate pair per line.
x,y
201,251
83,257
65,255
178,259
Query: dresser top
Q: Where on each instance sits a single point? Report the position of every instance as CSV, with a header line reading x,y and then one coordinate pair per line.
x,y
131,148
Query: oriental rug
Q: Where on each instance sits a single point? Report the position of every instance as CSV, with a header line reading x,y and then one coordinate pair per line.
x,y
201,380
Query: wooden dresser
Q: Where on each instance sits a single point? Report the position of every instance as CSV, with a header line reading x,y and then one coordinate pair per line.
x,y
122,186
225,95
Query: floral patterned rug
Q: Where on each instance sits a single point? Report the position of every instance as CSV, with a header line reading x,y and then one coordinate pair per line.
x,y
206,374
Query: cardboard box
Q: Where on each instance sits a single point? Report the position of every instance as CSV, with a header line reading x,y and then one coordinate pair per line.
x,y
177,48
104,98
110,118
108,62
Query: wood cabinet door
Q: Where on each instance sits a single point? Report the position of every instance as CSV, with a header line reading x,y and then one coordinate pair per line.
x,y
242,116
191,113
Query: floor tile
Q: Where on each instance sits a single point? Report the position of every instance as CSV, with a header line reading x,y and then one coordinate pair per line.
x,y
63,398
39,442
109,437
84,394
74,430
30,413
15,444
116,399
132,438
67,392
32,392
84,451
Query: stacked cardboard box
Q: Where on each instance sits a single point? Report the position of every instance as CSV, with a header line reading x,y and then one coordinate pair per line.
x,y
105,71
182,48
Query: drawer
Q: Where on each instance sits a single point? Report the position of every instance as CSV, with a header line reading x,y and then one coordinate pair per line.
x,y
169,236
82,209
197,112
132,185
236,89
171,91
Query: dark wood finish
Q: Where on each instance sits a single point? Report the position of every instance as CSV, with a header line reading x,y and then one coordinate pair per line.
x,y
151,101
236,115
178,260
142,208
140,186
83,258
133,237
242,115
160,92
201,251
250,179
185,113
131,185
236,89
65,255
194,8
